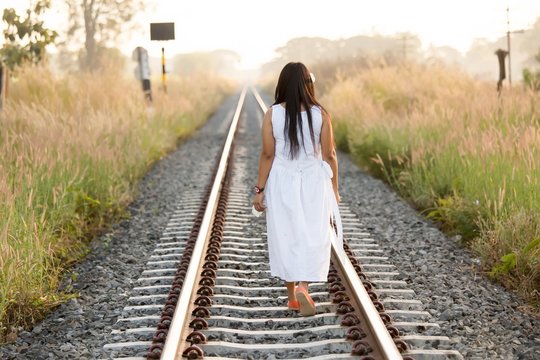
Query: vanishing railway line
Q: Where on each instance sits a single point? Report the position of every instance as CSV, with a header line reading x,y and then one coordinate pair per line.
x,y
207,291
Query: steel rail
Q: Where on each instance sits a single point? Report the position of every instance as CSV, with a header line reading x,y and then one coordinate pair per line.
x,y
179,324
383,338
259,99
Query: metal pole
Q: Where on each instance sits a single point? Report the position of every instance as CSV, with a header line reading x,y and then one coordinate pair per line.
x,y
163,76
508,44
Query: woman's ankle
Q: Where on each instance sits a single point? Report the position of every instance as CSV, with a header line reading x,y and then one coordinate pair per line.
x,y
303,285
290,291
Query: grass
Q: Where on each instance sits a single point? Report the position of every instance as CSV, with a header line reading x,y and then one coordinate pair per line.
x,y
466,158
73,150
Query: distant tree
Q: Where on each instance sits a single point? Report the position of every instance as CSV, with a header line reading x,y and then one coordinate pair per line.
x,y
528,42
307,49
531,78
112,59
480,59
317,50
25,36
102,22
446,54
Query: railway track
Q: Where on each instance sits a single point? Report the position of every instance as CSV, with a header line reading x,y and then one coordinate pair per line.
x,y
207,291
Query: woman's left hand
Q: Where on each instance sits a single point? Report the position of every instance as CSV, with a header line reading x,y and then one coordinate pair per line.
x,y
258,202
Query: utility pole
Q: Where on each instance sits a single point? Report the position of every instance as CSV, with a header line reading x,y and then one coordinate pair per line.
x,y
404,46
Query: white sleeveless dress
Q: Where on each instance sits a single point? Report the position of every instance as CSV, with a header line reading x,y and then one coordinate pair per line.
x,y
300,203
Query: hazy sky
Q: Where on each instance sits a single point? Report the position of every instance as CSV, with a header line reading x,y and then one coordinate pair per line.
x,y
255,28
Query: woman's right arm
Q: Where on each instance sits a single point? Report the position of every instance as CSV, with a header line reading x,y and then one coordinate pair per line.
x,y
329,151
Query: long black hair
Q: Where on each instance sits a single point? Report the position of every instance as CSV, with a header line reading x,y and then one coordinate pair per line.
x,y
295,88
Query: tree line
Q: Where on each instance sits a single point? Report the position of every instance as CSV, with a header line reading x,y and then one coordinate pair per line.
x,y
479,60
98,22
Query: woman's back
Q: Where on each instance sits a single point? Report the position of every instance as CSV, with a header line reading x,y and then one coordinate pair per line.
x,y
306,152
298,184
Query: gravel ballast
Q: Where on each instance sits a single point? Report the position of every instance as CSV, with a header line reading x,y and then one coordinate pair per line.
x,y
483,319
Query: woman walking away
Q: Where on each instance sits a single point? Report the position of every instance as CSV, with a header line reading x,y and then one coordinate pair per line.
x,y
298,183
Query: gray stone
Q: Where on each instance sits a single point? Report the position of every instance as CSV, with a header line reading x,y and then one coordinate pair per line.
x,y
37,329
468,306
66,347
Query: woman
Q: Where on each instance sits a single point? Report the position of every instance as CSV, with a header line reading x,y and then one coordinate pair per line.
x,y
298,183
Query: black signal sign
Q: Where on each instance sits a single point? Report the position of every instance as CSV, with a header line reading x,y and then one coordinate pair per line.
x,y
162,31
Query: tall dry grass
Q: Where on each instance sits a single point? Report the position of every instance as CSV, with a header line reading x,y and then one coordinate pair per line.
x,y
468,159
73,150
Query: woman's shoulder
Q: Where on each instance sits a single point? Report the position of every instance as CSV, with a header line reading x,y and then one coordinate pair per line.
x,y
323,112
319,111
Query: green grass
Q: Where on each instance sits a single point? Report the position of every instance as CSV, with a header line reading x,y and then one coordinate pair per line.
x,y
467,159
73,151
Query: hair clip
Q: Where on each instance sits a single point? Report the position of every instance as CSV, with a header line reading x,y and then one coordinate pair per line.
x,y
312,77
